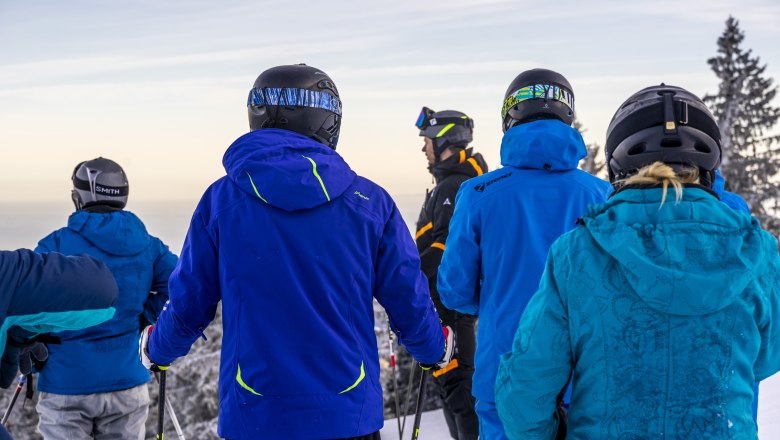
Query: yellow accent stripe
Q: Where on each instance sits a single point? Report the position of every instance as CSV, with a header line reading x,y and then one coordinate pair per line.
x,y
244,385
314,170
359,379
447,368
476,166
462,156
255,188
423,230
445,129
438,245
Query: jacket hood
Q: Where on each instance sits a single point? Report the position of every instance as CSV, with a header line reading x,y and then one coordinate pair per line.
x,y
464,162
688,258
286,170
116,233
547,144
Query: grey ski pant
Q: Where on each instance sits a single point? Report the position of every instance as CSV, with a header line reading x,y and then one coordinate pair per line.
x,y
118,415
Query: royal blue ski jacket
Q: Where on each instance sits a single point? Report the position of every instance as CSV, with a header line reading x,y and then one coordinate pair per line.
x,y
141,264
296,246
665,315
504,223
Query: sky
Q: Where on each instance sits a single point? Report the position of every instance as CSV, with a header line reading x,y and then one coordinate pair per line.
x,y
161,87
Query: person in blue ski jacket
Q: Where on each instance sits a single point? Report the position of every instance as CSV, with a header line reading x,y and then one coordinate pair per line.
x,y
505,221
113,399
296,246
660,307
44,293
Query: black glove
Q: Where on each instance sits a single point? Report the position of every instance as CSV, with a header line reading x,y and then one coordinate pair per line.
x,y
33,357
9,366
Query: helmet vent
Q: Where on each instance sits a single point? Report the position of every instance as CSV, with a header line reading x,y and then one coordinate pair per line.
x,y
637,149
671,143
703,148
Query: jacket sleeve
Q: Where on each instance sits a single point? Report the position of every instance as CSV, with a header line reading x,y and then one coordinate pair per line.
x,y
461,265
194,294
162,269
537,370
51,292
768,361
402,289
443,207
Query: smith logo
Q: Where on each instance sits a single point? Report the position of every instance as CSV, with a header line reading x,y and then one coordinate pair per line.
x,y
106,190
481,186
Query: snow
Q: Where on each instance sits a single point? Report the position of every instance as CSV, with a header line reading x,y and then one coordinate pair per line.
x,y
433,426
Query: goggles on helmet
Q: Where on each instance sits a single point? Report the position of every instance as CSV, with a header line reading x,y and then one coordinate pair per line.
x,y
426,120
294,98
546,91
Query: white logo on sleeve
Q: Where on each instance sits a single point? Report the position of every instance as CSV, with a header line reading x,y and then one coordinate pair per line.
x,y
447,201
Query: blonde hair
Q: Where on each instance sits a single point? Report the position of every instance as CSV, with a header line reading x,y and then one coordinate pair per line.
x,y
659,172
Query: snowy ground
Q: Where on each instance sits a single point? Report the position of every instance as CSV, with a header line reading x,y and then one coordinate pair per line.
x,y
433,426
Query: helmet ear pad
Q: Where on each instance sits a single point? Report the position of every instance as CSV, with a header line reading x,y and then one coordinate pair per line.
x,y
689,147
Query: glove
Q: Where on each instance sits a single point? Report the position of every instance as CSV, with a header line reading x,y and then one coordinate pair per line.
x,y
143,351
449,350
32,358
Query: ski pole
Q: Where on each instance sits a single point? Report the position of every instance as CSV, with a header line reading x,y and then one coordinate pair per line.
x,y
22,379
161,408
418,414
395,378
175,420
408,399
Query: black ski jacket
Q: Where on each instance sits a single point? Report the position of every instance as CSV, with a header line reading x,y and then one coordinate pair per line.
x,y
433,223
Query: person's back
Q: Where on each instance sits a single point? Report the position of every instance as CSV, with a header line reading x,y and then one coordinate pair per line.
x,y
505,221
670,312
659,308
296,246
141,265
41,293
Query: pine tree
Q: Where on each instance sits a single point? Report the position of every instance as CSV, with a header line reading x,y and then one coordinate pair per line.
x,y
744,111
594,162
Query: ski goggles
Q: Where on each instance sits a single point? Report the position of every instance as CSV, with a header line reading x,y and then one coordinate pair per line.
x,y
426,120
537,91
294,98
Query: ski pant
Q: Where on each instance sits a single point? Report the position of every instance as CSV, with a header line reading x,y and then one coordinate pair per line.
x,y
374,436
116,415
490,426
454,386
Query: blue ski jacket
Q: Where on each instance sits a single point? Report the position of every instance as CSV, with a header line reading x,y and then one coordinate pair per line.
x,y
503,225
141,264
664,315
43,293
296,246
734,201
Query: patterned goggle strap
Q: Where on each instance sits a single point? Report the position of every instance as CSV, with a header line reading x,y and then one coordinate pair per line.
x,y
538,91
96,188
294,98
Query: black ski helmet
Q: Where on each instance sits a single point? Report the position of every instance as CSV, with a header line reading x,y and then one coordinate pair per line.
x,y
537,94
663,124
298,98
99,182
446,128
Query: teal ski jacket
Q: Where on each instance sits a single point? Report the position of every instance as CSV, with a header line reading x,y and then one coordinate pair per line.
x,y
141,264
664,315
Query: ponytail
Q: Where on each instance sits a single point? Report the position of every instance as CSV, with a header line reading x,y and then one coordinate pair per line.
x,y
659,172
